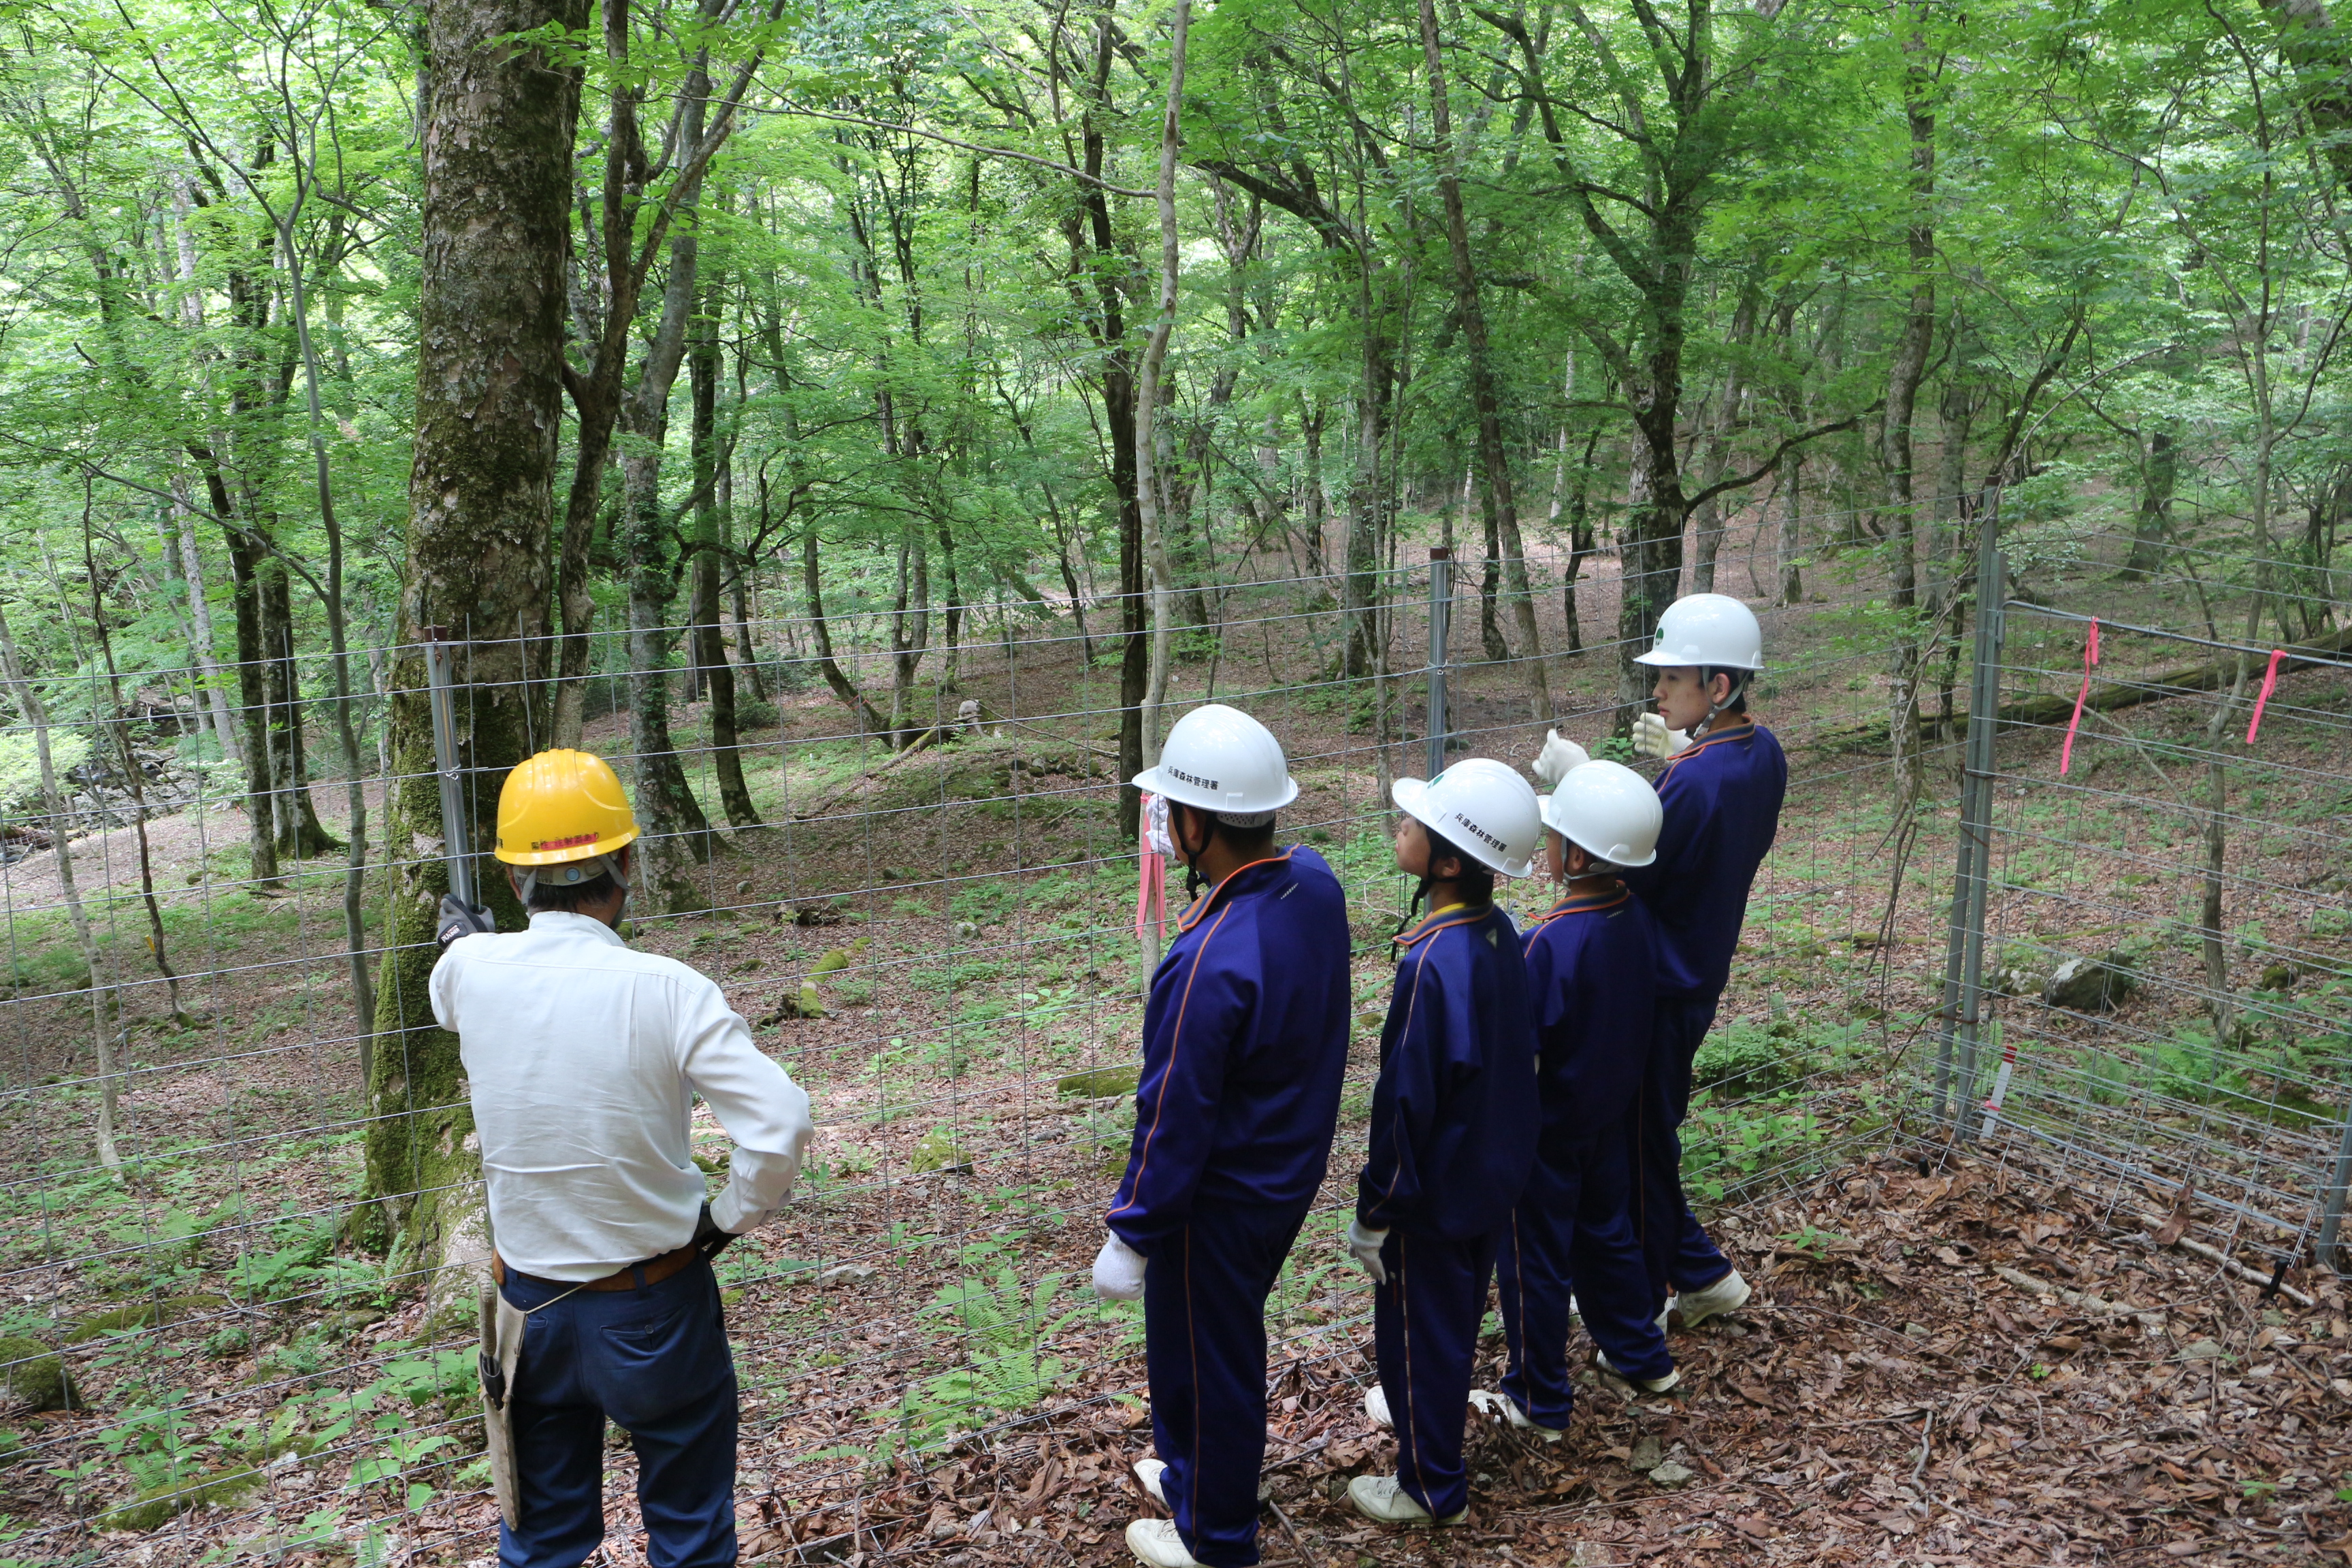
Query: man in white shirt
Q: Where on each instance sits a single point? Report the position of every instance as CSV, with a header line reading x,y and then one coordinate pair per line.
x,y
585,1058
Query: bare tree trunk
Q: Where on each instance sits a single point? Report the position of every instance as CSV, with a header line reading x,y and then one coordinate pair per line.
x,y
867,716
497,150
104,1007
2160,471
1792,535
200,617
1146,397
1903,375
706,638
1707,517
1496,499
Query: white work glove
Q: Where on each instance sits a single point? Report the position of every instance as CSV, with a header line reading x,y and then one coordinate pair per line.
x,y
1653,738
1118,1271
1559,756
1364,1246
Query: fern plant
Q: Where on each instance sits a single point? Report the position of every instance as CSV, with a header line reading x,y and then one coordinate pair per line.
x,y
1007,1368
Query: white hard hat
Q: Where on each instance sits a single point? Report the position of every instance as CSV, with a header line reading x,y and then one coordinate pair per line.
x,y
1481,808
1606,809
1220,759
1713,629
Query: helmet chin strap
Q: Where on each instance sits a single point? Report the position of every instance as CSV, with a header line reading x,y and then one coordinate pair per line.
x,y
1420,891
1193,880
1729,697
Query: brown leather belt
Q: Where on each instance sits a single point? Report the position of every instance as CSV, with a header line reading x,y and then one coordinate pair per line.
x,y
636,1276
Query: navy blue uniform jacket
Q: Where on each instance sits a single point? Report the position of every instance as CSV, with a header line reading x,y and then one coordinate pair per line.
x,y
1453,1113
1722,796
1245,1041
1592,962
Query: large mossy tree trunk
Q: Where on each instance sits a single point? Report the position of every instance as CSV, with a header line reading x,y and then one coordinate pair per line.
x,y
498,177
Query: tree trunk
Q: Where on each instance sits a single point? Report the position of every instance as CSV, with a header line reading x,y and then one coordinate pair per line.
x,y
105,1008
1707,517
497,153
2160,471
910,609
676,835
1496,500
1792,536
1903,377
812,581
294,815
1147,399
200,616
253,695
709,645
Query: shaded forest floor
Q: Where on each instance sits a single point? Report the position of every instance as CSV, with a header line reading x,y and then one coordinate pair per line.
x,y
958,929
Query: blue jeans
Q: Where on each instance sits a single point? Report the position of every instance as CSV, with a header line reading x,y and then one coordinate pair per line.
x,y
1680,1254
654,1360
1205,1351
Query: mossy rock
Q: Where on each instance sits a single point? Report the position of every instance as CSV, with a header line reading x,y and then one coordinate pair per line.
x,y
1100,1083
158,1505
32,1374
145,1315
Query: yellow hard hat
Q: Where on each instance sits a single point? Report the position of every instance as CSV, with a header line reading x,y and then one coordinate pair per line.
x,y
562,806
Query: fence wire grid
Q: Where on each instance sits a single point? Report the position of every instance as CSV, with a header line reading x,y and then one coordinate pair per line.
x,y
940,942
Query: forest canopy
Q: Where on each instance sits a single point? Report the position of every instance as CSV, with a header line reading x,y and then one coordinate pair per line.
x,y
949,311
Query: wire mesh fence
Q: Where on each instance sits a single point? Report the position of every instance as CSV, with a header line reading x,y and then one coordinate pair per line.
x,y
935,929
2150,984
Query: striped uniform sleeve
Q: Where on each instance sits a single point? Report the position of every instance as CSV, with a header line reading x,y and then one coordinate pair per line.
x,y
1199,1011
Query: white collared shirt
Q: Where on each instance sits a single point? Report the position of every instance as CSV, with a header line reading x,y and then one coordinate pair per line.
x,y
584,1057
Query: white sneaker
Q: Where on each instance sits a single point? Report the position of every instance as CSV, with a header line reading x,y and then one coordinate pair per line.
x,y
1155,1541
1376,1406
1384,1501
1489,1403
1647,1385
1726,1295
1148,1471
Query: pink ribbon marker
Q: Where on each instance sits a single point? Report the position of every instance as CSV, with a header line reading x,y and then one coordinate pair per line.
x,y
2090,658
2270,684
1151,877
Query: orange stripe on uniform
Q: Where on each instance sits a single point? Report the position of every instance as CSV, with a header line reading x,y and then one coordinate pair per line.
x,y
1175,1042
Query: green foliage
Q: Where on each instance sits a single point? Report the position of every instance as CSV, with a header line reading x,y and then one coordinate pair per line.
x,y
1003,1330
20,767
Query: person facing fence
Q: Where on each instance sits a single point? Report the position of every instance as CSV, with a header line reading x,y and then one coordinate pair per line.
x,y
1244,1043
1591,963
1452,1128
583,1058
1721,791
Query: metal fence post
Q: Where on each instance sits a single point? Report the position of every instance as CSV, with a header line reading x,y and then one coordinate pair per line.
x,y
2330,1253
1441,615
456,842
1963,1006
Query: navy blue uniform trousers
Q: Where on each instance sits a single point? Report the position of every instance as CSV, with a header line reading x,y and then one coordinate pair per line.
x,y
1424,1337
1674,1245
1574,1230
656,1360
1205,1296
